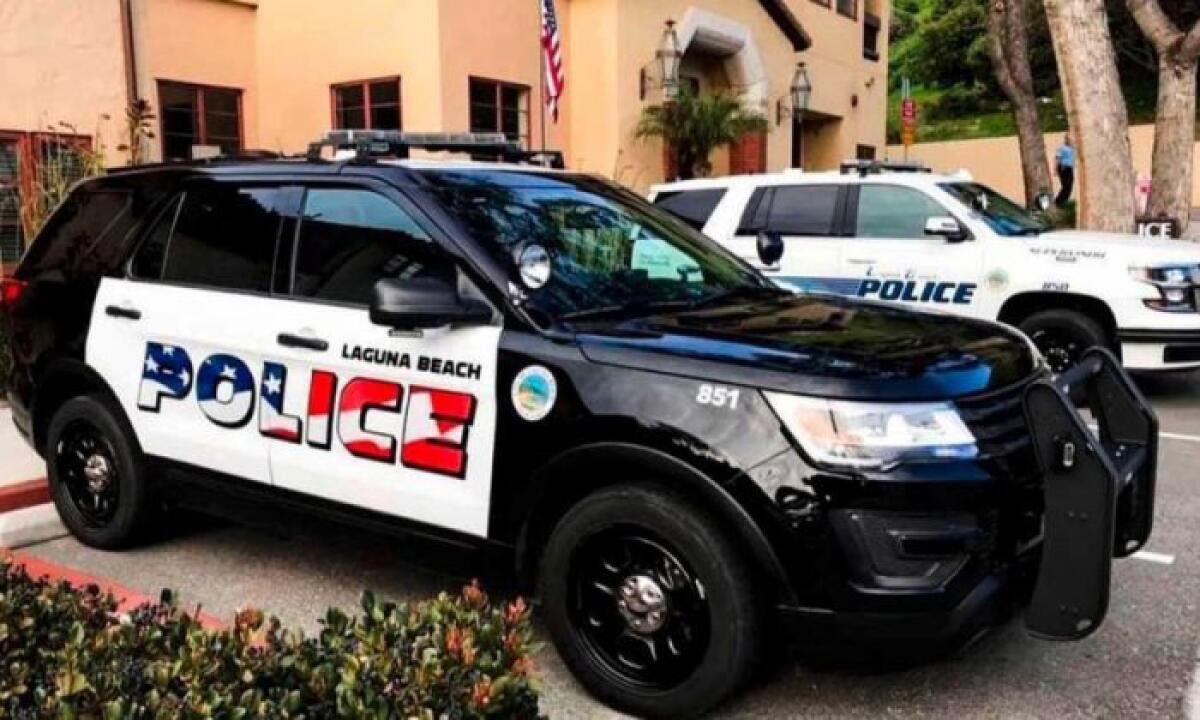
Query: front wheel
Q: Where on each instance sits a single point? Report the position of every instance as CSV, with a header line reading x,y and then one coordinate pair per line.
x,y
96,474
649,603
1062,336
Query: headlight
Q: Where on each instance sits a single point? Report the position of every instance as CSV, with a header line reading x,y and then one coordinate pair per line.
x,y
1174,284
874,436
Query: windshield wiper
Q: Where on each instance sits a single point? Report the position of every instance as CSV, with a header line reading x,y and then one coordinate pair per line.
x,y
738,291
635,307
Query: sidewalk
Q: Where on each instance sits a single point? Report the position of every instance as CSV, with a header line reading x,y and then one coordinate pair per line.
x,y
26,514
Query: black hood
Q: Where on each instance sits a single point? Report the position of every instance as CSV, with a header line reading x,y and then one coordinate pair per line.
x,y
818,345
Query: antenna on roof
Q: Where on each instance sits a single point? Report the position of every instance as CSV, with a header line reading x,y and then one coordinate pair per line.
x,y
374,144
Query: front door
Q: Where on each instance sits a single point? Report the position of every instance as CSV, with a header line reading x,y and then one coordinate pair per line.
x,y
397,422
890,257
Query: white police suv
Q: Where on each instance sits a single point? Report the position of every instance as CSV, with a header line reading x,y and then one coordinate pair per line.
x,y
894,232
684,461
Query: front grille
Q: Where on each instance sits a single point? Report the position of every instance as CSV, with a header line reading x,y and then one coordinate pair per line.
x,y
997,420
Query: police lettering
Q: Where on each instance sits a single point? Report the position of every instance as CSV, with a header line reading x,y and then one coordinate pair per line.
x,y
914,291
435,421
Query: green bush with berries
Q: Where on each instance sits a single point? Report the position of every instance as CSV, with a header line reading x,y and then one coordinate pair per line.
x,y
66,653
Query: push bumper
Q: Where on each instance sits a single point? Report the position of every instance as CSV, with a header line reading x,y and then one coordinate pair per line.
x,y
1099,490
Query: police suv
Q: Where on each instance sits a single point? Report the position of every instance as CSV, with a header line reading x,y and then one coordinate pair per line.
x,y
681,459
892,231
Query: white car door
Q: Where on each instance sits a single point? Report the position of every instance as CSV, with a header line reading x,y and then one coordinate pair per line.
x,y
180,339
891,257
402,423
807,218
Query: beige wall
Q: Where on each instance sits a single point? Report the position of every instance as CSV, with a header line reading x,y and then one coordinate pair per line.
x,y
209,42
61,61
997,161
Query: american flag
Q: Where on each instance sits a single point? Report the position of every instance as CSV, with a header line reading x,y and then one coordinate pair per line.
x,y
552,54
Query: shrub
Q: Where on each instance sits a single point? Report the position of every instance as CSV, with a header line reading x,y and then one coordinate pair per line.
x,y
65,653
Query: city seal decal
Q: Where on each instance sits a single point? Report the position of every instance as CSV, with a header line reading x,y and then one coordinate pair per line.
x,y
534,391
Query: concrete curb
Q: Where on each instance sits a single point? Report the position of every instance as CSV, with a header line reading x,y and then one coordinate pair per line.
x,y
24,494
30,525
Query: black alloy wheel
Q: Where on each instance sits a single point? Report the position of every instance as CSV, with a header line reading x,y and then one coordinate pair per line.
x,y
88,467
640,609
1062,336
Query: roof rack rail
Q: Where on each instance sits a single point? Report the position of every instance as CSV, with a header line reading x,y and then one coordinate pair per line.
x,y
875,167
373,144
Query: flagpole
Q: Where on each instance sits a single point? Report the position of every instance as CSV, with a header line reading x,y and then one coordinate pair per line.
x,y
542,70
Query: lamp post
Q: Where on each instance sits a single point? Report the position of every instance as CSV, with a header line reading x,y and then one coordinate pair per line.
x,y
798,97
667,57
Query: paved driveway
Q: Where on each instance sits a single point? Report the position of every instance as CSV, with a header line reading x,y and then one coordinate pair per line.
x,y
1140,664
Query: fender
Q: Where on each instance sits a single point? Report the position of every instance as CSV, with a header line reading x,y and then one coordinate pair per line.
x,y
547,502
60,379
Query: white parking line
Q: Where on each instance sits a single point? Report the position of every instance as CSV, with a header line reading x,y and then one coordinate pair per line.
x,y
1154,557
1179,436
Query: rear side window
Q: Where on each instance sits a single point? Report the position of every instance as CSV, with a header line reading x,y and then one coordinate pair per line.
x,y
694,207
803,210
349,239
87,218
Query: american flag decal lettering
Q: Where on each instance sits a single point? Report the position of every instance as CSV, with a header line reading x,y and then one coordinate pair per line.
x,y
272,421
361,395
167,370
225,390
321,395
435,431
552,62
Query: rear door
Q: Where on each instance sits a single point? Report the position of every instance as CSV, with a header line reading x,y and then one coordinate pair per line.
x,y
693,207
180,336
808,217
397,422
891,258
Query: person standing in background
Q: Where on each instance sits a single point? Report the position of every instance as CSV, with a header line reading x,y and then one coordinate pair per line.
x,y
1064,161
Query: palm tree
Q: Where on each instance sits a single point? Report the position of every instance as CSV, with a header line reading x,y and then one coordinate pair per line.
x,y
693,125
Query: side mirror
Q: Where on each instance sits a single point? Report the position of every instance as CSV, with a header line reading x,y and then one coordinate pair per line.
x,y
947,227
770,247
1042,202
424,303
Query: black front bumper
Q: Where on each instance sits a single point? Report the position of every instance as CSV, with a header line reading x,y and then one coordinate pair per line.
x,y
926,579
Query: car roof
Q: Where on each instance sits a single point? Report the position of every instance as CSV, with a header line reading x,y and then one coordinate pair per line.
x,y
800,177
290,165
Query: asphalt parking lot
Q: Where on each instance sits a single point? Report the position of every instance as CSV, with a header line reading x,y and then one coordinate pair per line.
x,y
1144,662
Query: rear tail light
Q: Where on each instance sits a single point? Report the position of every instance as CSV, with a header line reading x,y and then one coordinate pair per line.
x,y
10,292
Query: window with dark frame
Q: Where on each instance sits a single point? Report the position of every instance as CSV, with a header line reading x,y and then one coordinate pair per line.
x,y
822,3
864,152
12,243
367,105
500,107
199,115
871,25
849,8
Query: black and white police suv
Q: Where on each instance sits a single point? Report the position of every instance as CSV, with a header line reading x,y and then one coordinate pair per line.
x,y
895,232
684,461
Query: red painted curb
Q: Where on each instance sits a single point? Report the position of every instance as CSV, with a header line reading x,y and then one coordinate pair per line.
x,y
126,599
24,494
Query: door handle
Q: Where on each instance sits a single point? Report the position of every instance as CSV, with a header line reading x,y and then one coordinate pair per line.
x,y
125,313
299,341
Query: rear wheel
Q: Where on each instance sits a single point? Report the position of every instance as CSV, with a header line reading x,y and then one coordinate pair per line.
x,y
649,603
95,473
1062,336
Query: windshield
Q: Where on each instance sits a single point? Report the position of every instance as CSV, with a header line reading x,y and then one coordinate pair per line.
x,y
611,253
1002,215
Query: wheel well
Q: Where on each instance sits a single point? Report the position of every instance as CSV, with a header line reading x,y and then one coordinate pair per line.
x,y
58,384
596,467
1019,307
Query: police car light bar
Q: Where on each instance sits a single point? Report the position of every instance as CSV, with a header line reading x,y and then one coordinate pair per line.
x,y
370,144
874,167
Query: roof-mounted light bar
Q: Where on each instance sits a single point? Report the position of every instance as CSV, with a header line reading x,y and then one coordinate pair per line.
x,y
373,144
875,167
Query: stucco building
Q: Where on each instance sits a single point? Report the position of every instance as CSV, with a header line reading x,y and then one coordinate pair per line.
x,y
240,75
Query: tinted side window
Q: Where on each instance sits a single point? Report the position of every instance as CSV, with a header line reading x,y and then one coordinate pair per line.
x,y
803,210
888,211
754,218
694,207
224,237
349,239
87,218
151,256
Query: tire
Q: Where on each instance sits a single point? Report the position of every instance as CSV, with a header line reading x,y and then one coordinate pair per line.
x,y
612,537
89,439
1063,336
